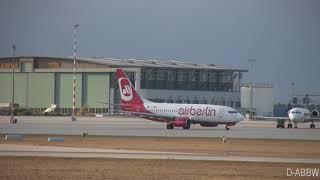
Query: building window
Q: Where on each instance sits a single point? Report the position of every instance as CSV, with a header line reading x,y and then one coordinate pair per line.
x,y
212,76
231,103
171,76
187,101
194,76
204,101
203,76
196,101
161,75
180,76
169,101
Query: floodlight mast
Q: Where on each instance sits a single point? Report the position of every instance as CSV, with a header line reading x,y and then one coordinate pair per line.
x,y
73,115
12,99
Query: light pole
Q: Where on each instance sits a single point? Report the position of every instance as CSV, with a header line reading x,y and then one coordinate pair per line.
x,y
251,96
251,62
12,100
73,115
292,93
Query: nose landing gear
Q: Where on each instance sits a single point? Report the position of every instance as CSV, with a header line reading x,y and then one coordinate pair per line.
x,y
170,126
280,123
227,127
312,126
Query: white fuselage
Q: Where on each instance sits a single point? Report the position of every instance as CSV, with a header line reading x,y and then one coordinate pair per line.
x,y
299,115
196,112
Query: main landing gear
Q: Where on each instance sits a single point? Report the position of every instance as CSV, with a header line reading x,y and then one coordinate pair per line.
x,y
312,126
228,126
184,124
280,123
188,125
170,126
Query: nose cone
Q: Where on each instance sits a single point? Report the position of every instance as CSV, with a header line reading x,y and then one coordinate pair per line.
x,y
291,117
294,117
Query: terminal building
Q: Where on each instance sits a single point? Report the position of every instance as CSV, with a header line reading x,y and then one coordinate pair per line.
x,y
42,81
257,99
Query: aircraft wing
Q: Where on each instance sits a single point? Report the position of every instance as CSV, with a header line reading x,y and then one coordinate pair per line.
x,y
267,118
312,120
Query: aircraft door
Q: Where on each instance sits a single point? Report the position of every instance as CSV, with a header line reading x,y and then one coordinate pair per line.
x,y
221,113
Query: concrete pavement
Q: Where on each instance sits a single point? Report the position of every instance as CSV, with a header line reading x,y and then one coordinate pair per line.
x,y
55,151
131,126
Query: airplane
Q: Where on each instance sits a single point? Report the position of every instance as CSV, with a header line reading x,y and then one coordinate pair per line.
x,y
175,115
295,116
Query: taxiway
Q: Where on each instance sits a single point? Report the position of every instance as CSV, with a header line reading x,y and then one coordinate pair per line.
x,y
131,126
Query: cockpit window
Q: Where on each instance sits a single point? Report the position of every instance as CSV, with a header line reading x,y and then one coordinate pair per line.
x,y
296,112
232,112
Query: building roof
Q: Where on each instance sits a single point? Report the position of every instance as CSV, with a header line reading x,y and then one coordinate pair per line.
x,y
151,63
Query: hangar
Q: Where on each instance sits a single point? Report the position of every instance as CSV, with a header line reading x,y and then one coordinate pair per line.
x,y
42,81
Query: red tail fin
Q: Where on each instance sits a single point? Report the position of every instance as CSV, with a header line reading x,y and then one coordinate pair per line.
x,y
130,100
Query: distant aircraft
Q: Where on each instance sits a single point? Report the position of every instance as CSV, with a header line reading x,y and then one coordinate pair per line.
x,y
295,116
175,115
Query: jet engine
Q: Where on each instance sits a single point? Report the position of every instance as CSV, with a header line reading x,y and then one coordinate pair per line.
x,y
315,113
208,124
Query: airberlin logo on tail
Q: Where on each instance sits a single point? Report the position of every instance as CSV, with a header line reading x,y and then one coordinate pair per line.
x,y
125,89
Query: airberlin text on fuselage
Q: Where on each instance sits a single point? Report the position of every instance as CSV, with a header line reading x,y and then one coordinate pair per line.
x,y
200,112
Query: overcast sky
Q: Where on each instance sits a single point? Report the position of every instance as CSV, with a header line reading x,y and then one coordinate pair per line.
x,y
282,35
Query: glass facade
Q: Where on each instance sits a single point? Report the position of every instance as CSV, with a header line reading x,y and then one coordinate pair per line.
x,y
177,79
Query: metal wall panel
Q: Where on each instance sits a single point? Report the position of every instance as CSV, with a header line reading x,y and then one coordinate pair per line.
x,y
20,89
20,83
96,87
40,91
5,87
63,90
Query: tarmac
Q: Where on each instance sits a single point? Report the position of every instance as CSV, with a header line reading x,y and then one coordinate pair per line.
x,y
132,126
56,151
